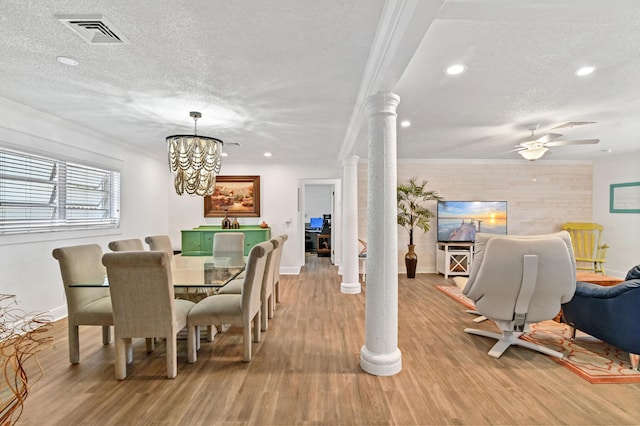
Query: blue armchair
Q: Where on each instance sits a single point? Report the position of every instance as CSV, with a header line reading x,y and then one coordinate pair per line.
x,y
611,314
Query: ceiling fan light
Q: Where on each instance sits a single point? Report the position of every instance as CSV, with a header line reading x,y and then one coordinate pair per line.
x,y
585,71
532,154
456,69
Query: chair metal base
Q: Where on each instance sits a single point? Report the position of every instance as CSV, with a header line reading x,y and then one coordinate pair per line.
x,y
508,338
480,317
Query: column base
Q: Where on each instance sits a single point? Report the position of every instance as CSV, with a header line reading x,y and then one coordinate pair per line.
x,y
351,288
381,364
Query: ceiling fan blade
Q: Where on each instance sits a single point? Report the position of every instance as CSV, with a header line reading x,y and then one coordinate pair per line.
x,y
573,142
519,148
548,137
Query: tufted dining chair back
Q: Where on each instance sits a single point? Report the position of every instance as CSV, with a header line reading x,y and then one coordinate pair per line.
x,y
82,264
144,304
276,269
237,309
228,247
160,243
132,244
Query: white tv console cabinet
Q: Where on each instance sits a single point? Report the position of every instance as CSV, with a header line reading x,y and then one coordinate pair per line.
x,y
454,258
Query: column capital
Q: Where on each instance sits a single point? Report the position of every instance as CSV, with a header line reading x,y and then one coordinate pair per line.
x,y
382,103
350,161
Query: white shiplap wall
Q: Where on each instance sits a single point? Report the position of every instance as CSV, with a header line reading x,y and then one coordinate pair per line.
x,y
561,192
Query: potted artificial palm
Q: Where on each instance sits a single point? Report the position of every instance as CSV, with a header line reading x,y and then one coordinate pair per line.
x,y
413,214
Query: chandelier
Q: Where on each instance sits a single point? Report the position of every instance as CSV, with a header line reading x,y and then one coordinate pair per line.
x,y
195,160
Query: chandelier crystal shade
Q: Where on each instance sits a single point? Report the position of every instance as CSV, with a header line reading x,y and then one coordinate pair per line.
x,y
195,160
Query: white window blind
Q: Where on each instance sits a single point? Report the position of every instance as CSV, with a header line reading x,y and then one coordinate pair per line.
x,y
39,194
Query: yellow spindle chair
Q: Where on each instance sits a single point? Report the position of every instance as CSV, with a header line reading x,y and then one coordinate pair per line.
x,y
589,252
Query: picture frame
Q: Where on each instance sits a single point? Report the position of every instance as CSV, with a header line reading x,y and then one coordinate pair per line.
x,y
624,197
237,196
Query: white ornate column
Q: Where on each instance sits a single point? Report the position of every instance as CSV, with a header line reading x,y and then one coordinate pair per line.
x,y
350,277
380,355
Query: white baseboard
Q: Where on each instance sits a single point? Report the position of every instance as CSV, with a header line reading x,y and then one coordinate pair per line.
x,y
59,312
290,270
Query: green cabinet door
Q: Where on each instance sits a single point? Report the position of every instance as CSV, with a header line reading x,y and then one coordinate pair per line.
x,y
207,242
192,243
199,241
253,237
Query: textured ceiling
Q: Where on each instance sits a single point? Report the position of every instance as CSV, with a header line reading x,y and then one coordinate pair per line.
x,y
521,58
288,76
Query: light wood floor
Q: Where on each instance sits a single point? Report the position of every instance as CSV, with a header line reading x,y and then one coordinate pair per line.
x,y
306,372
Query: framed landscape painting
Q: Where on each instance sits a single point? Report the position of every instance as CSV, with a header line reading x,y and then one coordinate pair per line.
x,y
237,195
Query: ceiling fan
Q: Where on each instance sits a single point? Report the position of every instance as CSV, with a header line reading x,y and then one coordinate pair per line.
x,y
534,147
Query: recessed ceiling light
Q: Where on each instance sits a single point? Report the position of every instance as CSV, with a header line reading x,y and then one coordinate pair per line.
x,y
456,69
405,123
67,61
267,154
224,154
606,151
585,71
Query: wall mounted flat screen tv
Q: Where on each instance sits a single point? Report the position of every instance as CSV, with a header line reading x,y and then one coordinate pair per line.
x,y
461,220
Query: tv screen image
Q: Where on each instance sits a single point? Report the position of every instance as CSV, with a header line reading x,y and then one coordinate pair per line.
x,y
461,220
316,223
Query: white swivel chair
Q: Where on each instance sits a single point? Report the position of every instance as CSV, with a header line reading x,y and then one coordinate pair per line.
x,y
85,305
519,280
144,304
236,309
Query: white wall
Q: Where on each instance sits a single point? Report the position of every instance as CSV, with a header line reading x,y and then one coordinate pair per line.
x,y
621,230
278,196
29,271
562,192
27,268
317,201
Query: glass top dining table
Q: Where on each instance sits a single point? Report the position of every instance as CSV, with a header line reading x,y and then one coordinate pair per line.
x,y
194,277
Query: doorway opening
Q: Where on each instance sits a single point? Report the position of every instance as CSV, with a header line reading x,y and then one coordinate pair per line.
x,y
319,219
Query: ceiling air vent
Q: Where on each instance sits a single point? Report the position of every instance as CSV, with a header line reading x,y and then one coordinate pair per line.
x,y
573,124
94,29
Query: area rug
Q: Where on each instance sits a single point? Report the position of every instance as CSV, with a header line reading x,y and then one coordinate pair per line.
x,y
586,356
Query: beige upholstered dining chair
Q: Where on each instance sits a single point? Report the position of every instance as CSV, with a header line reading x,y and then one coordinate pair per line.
x,y
88,305
132,244
235,309
228,248
144,304
276,269
163,243
516,281
160,243
267,294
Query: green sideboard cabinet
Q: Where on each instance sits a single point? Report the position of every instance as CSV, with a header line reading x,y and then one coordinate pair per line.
x,y
199,241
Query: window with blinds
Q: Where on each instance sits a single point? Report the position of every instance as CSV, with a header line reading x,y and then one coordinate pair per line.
x,y
39,194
